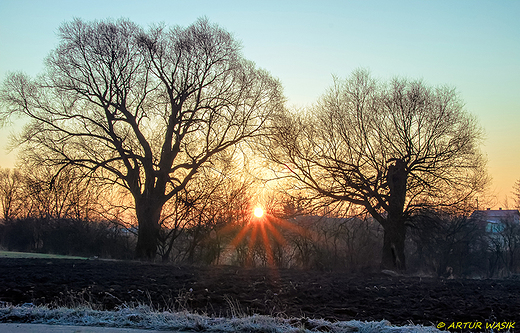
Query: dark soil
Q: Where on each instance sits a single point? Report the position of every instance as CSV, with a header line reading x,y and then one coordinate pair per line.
x,y
226,290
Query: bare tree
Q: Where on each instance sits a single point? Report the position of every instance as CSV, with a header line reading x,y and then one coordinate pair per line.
x,y
516,194
390,148
11,193
509,241
144,109
449,244
203,209
67,195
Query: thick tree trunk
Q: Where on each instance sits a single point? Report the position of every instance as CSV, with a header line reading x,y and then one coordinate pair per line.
x,y
394,228
148,215
393,257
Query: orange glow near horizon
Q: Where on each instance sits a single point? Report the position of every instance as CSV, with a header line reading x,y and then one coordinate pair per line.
x,y
265,234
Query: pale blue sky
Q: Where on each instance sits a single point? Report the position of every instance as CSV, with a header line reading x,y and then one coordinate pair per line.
x,y
471,45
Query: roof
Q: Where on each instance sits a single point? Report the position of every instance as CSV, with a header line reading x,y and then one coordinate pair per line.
x,y
497,215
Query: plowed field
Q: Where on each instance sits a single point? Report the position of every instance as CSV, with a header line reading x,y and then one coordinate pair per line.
x,y
226,290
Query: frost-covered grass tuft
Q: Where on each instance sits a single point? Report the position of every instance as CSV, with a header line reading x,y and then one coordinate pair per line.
x,y
145,317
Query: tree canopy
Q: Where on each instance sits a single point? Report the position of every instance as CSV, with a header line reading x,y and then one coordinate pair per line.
x,y
146,109
392,148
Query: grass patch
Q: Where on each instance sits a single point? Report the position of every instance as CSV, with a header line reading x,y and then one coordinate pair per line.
x,y
144,317
27,255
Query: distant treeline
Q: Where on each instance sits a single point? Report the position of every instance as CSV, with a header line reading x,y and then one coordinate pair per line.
x,y
67,236
439,245
211,223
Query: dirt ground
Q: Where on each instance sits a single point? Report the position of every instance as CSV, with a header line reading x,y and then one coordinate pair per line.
x,y
227,291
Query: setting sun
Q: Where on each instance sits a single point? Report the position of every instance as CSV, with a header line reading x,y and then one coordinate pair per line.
x,y
258,212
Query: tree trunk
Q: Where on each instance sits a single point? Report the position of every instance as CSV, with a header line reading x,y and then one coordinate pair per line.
x,y
393,246
394,229
148,215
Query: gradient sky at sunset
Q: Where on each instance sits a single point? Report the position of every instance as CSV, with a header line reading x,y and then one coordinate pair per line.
x,y
471,45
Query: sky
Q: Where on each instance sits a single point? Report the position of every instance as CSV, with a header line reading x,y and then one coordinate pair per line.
x,y
471,45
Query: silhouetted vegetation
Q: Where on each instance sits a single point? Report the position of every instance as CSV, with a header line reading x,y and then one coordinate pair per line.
x,y
393,149
147,110
213,224
449,245
144,139
68,237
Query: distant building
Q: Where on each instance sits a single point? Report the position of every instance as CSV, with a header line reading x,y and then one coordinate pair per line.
x,y
494,219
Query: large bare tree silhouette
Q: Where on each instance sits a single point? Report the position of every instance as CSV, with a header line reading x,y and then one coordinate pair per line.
x,y
391,148
144,109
